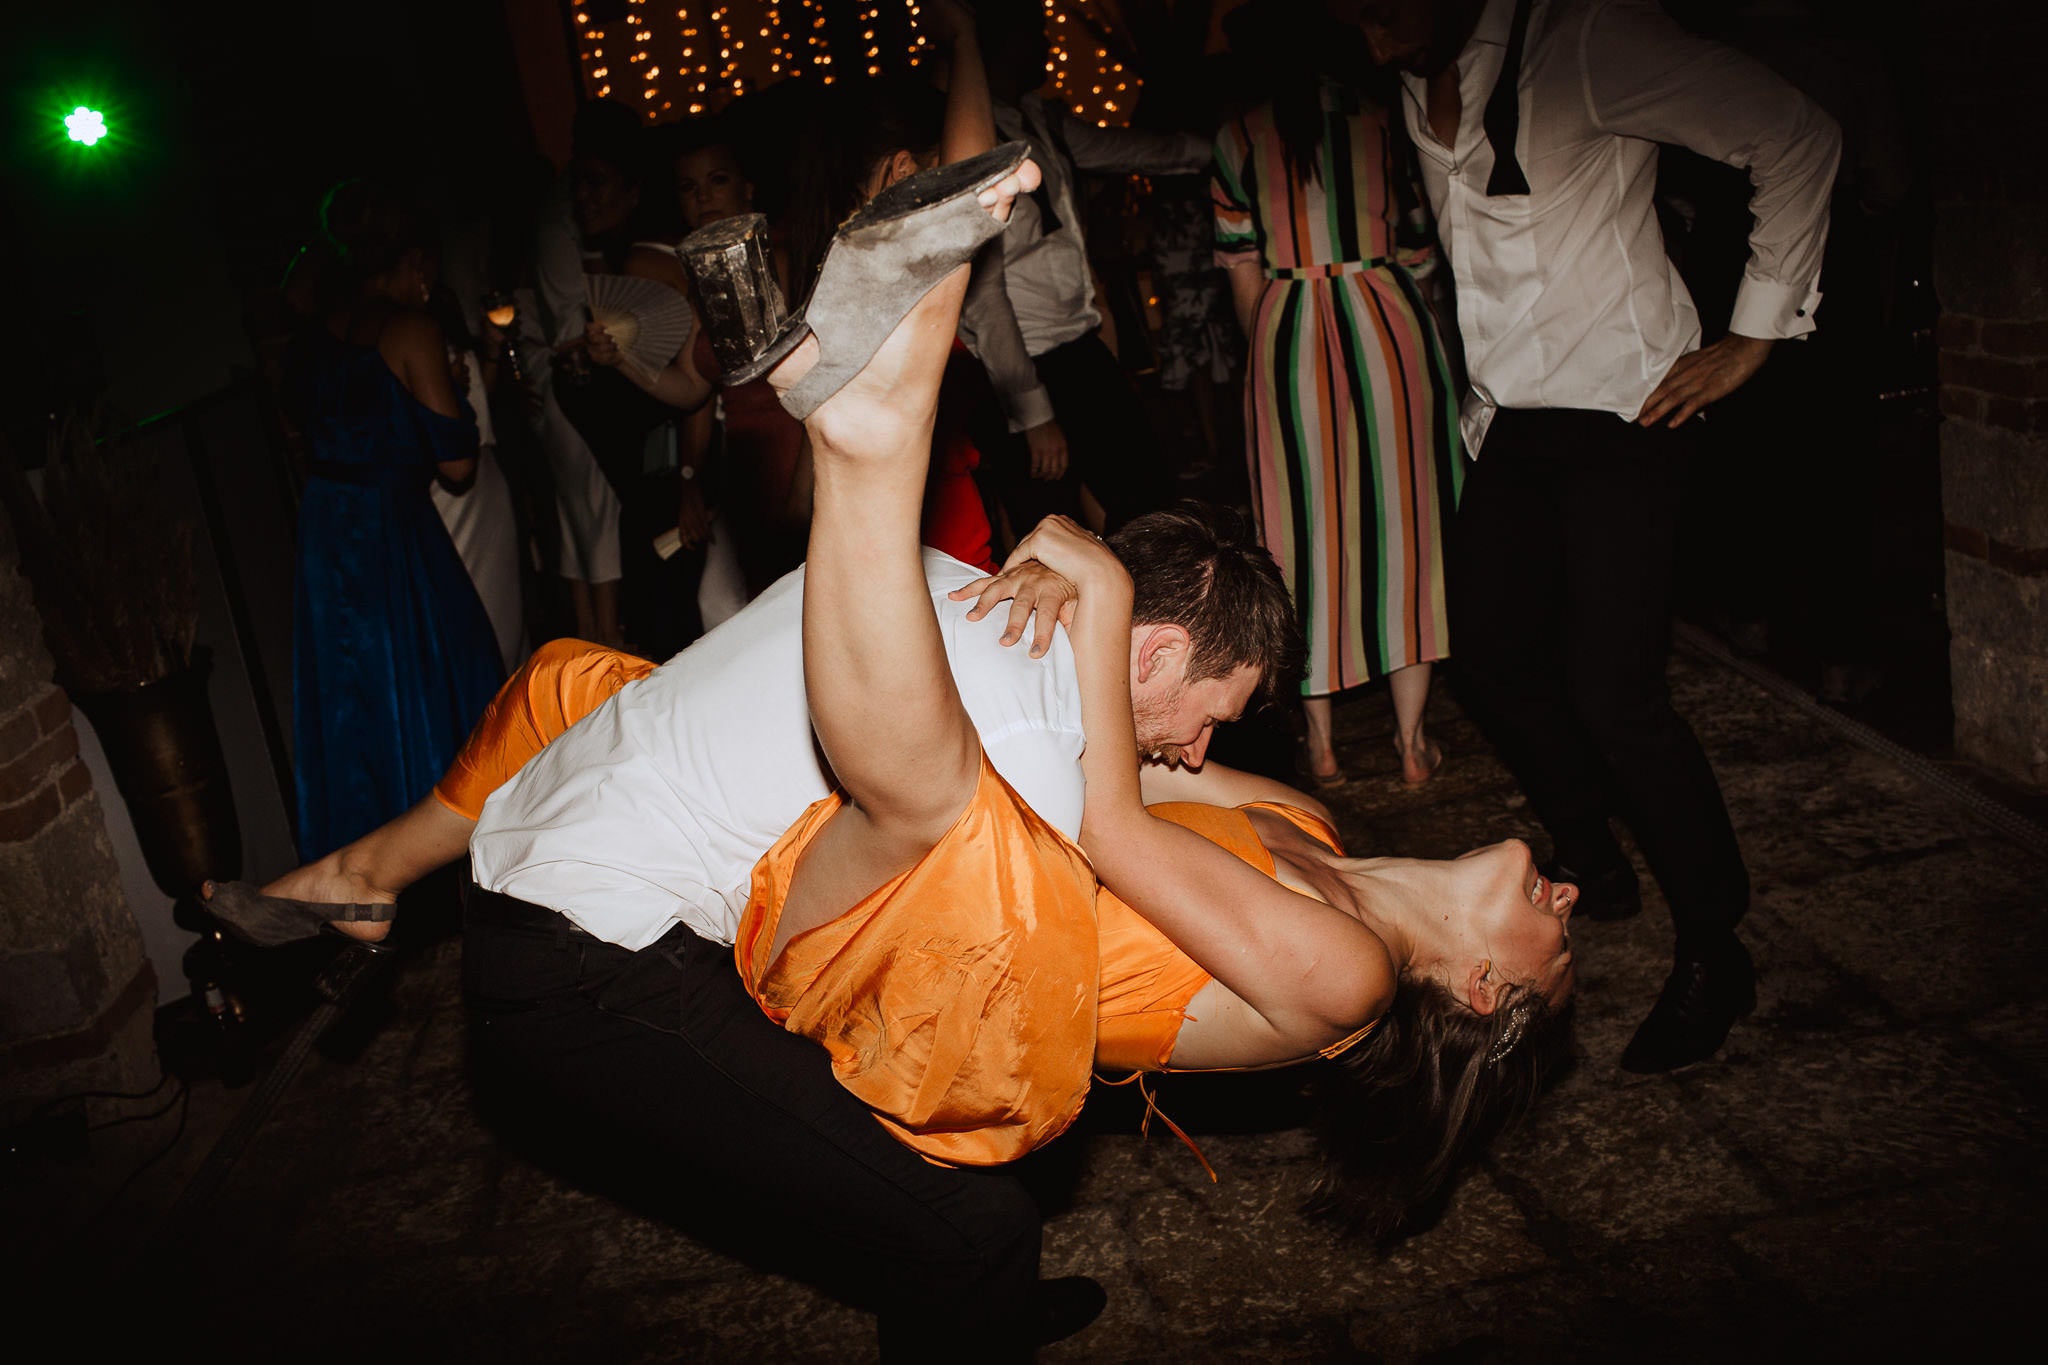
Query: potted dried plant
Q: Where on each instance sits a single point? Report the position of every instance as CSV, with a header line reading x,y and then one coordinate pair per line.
x,y
114,581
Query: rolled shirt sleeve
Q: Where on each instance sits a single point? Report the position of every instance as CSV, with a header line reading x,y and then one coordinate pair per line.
x,y
1131,151
988,324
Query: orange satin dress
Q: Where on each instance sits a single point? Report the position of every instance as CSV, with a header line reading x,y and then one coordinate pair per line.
x,y
958,999
559,684
951,999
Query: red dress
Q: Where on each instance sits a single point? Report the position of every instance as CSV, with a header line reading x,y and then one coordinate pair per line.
x,y
763,445
955,520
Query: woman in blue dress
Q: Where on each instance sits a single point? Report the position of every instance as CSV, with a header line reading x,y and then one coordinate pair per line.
x,y
393,655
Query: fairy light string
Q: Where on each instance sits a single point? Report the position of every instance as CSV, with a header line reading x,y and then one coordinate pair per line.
x,y
672,58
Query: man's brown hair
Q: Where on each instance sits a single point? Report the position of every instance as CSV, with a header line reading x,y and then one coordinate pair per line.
x,y
1201,567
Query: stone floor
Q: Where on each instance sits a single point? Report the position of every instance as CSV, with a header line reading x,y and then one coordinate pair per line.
x,y
1859,1173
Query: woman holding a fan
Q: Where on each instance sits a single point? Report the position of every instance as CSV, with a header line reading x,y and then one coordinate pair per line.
x,y
764,507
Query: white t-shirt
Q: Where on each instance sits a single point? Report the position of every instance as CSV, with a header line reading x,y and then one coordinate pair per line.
x,y
656,806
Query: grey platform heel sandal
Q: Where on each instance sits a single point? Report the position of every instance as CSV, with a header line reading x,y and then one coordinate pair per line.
x,y
883,259
267,921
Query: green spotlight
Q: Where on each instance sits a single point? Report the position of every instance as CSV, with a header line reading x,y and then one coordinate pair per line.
x,y
85,125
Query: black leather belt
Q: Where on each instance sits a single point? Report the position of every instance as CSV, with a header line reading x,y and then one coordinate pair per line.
x,y
494,907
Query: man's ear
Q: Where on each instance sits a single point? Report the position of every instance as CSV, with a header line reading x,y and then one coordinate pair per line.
x,y
1482,988
1160,646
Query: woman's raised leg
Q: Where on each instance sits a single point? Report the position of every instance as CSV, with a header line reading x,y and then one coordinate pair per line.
x,y
882,695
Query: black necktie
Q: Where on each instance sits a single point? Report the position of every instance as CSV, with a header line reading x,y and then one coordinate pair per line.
x,y
1503,120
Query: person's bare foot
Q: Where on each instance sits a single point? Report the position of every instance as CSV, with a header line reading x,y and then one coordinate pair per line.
x,y
329,882
1419,761
1322,768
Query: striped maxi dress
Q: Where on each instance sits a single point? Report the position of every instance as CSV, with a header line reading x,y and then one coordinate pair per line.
x,y
1351,423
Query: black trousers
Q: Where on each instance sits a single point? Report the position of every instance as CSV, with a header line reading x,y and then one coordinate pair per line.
x,y
1560,617
657,597
1110,445
659,1061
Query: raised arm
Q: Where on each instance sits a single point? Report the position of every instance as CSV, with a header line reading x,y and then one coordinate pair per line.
x,y
970,127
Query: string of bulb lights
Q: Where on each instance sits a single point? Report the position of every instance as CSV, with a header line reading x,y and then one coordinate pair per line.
x,y
674,59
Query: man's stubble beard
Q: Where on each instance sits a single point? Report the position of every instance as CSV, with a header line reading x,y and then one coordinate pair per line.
x,y
1152,719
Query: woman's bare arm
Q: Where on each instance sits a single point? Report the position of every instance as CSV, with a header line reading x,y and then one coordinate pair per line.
x,y
1247,282
970,126
679,385
417,352
1306,973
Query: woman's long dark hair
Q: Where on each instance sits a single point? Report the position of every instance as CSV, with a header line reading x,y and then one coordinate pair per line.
x,y
1288,48
1433,1081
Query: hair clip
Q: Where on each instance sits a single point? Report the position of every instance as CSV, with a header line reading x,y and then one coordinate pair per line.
x,y
1511,1032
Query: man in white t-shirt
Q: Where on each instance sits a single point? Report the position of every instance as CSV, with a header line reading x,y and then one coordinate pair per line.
x,y
613,867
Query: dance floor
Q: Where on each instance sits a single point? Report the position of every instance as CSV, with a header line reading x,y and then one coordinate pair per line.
x,y
1859,1172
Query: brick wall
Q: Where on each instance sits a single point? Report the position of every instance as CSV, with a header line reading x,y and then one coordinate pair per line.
x,y
1991,274
77,995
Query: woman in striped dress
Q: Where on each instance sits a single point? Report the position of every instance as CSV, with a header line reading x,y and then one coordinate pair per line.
x,y
1350,414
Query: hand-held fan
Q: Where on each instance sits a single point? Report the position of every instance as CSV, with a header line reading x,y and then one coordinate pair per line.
x,y
649,321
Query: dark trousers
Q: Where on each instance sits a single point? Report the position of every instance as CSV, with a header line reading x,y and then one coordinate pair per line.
x,y
657,597
1560,616
1788,484
737,1129
1110,445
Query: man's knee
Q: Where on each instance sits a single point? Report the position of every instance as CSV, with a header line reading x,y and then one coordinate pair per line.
x,y
984,1280
1011,1229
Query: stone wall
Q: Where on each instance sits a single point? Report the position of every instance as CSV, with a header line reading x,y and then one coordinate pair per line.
x,y
77,995
1991,274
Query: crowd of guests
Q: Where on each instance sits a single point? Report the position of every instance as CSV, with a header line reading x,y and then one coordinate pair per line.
x,y
633,501
1464,365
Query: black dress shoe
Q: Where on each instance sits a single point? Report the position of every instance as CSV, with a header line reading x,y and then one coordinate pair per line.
x,y
1064,1306
1703,998
1609,895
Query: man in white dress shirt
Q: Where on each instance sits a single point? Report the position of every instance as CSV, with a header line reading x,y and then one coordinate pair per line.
x,y
1081,403
1537,124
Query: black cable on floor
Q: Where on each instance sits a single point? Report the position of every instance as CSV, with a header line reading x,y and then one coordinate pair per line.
x,y
183,1092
